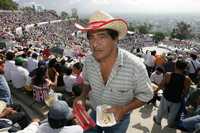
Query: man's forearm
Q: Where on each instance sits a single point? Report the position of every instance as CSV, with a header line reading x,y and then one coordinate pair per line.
x,y
134,104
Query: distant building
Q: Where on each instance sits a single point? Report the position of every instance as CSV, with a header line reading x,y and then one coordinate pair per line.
x,y
38,7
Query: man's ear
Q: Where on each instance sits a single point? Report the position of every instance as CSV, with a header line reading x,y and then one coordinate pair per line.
x,y
116,40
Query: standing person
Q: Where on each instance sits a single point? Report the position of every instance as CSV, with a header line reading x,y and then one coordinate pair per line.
x,y
156,78
175,85
150,62
169,65
111,75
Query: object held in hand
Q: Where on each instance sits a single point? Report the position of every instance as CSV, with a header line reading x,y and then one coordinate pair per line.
x,y
82,117
105,119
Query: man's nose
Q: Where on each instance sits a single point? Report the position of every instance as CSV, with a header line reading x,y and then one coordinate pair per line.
x,y
96,43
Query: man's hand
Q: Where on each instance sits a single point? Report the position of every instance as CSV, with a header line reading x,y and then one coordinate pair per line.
x,y
36,120
7,111
79,99
118,111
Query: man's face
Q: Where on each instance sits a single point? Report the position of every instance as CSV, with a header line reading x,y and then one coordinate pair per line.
x,y
2,68
101,44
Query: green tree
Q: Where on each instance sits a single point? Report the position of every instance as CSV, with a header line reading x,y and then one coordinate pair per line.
x,y
64,15
144,28
131,27
158,36
74,13
8,5
182,31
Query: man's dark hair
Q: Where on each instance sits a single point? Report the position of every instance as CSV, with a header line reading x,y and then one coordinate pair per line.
x,y
56,124
68,71
34,55
193,56
181,64
160,69
39,77
2,59
78,66
76,90
10,56
112,33
52,62
153,52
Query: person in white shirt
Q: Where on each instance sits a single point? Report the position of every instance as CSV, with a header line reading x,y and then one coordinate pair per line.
x,y
31,128
32,62
150,62
69,80
193,67
157,76
9,65
58,120
20,76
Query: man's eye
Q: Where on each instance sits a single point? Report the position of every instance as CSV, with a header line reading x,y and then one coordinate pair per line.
x,y
91,38
103,36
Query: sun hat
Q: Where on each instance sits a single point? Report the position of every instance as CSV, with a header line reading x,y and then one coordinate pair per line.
x,y
60,110
102,20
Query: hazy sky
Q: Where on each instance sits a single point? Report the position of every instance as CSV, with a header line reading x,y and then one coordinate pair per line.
x,y
121,6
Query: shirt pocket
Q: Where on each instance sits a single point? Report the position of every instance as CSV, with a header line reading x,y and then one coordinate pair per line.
x,y
125,93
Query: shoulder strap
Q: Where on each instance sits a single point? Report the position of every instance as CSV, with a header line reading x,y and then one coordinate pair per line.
x,y
193,66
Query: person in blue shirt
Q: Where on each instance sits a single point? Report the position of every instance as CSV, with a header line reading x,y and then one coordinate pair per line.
x,y
5,93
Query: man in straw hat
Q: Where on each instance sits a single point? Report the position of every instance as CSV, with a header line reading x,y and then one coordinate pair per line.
x,y
112,75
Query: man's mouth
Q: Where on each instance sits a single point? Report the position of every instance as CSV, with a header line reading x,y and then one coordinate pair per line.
x,y
98,51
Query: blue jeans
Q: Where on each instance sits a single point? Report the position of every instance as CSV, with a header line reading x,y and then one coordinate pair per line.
x,y
190,123
120,127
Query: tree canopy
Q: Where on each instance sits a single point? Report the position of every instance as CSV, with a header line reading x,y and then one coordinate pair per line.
x,y
8,5
158,36
182,31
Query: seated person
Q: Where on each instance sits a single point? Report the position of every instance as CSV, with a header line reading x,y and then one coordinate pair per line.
x,y
16,114
59,120
41,85
31,128
192,122
20,76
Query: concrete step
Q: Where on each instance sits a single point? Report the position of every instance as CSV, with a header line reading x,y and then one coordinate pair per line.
x,y
28,100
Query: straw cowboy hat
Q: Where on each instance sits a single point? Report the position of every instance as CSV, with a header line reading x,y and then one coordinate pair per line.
x,y
102,20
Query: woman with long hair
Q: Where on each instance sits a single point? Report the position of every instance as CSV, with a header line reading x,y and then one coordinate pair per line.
x,y
41,84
